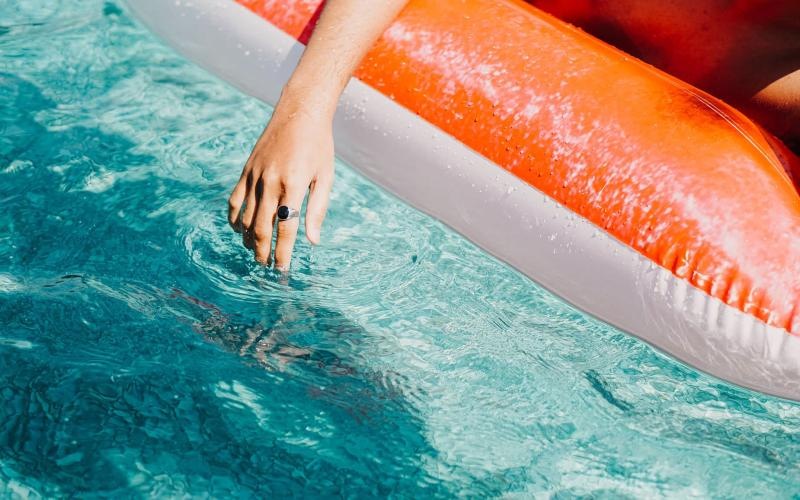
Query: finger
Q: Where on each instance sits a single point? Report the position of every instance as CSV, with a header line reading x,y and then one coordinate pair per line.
x,y
251,204
263,225
235,203
316,207
247,239
287,229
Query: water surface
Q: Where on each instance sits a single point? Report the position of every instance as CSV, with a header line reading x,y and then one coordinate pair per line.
x,y
144,353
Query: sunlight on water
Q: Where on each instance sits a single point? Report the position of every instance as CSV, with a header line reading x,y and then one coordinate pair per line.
x,y
143,353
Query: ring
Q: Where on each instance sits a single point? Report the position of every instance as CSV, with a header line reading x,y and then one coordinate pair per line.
x,y
286,213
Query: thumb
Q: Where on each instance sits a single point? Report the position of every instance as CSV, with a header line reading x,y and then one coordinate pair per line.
x,y
317,206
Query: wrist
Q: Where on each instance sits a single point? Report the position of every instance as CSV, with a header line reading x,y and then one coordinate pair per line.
x,y
317,101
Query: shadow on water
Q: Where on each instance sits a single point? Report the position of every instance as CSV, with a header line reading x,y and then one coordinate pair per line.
x,y
116,378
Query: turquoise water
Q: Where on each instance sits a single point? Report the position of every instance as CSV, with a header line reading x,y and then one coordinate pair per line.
x,y
143,353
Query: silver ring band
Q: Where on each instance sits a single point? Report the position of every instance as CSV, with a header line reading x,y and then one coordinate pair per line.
x,y
286,213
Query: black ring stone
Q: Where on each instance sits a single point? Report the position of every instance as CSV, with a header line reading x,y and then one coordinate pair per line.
x,y
283,212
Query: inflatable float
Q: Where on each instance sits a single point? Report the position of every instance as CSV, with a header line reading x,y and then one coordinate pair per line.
x,y
632,195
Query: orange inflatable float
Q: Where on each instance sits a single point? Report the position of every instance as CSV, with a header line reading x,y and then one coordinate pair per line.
x,y
638,198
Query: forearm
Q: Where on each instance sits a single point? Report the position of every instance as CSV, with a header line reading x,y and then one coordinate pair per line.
x,y
345,32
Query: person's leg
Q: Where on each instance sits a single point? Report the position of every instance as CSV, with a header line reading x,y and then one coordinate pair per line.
x,y
746,52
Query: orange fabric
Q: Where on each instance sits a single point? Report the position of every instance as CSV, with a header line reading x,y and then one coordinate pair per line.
x,y
665,168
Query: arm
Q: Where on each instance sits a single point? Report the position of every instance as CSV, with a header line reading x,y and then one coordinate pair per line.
x,y
294,154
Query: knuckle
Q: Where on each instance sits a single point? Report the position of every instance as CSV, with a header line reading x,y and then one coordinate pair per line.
x,y
256,159
260,235
271,177
293,184
287,229
325,178
250,205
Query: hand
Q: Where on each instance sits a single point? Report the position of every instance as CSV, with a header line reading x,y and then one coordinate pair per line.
x,y
295,152
293,156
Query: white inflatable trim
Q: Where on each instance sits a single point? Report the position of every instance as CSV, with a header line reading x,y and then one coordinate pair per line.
x,y
439,175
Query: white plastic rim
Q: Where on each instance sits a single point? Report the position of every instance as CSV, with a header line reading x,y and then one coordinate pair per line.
x,y
439,175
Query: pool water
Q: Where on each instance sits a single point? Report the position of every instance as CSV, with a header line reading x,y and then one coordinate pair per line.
x,y
143,353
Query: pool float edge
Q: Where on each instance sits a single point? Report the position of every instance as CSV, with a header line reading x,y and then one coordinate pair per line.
x,y
566,253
